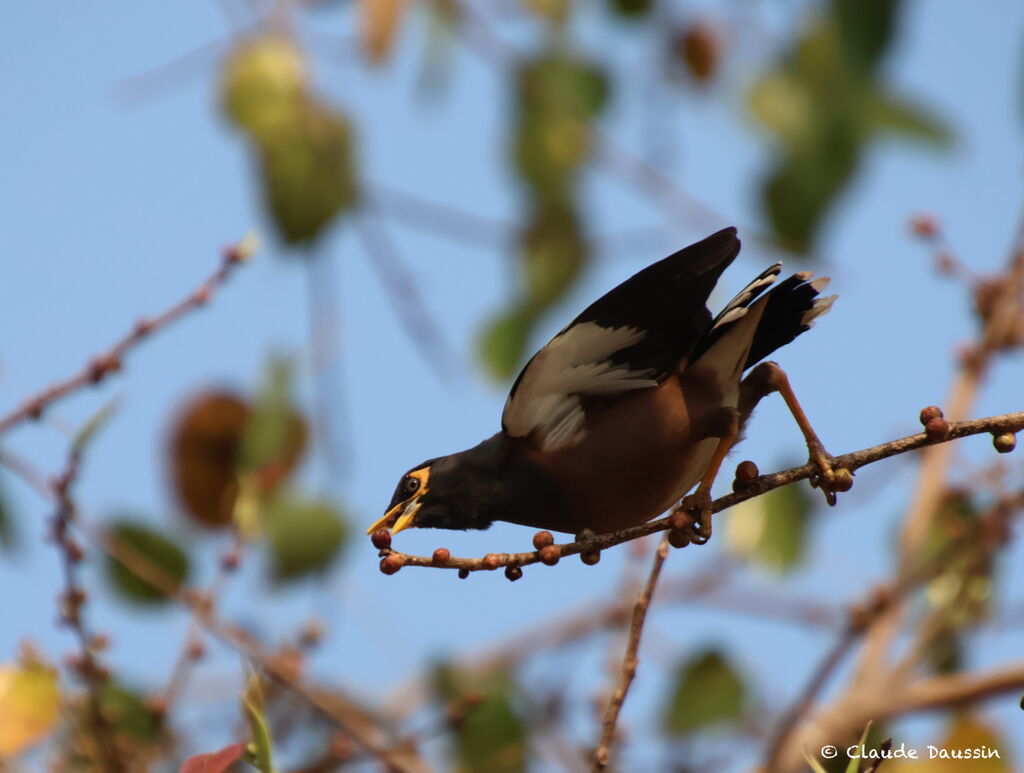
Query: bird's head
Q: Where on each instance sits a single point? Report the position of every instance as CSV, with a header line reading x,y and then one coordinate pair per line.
x,y
451,492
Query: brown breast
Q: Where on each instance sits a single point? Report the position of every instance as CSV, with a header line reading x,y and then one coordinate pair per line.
x,y
640,456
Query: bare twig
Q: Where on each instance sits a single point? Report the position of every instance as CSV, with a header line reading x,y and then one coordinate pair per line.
x,y
1001,315
629,662
110,361
820,676
869,694
1008,422
405,297
439,218
351,719
86,664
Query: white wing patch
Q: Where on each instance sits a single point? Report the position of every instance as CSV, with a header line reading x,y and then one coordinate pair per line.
x,y
737,307
821,305
574,363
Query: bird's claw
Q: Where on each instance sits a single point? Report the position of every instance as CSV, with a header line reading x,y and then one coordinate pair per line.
x,y
698,507
830,479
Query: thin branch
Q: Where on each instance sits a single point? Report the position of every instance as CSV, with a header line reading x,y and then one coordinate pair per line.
x,y
1000,319
441,219
350,718
72,599
405,297
1008,422
110,361
868,688
829,663
954,690
630,661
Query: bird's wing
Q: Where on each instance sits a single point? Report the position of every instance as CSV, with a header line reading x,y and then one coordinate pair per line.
x,y
631,338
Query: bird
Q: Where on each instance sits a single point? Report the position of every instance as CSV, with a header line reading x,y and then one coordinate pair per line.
x,y
635,401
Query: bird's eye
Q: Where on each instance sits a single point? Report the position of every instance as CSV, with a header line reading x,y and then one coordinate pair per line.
x,y
412,485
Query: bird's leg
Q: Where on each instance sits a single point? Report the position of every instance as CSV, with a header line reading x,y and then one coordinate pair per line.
x,y
698,503
768,377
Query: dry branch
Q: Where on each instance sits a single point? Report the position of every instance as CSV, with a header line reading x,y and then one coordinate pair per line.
x,y
110,361
1007,422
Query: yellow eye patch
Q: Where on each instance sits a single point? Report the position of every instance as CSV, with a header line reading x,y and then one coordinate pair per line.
x,y
401,516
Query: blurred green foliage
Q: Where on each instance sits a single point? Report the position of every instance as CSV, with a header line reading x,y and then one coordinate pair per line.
x,y
826,101
489,732
772,530
169,562
709,691
303,537
304,147
558,96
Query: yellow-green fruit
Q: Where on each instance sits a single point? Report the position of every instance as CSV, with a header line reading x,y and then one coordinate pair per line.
x,y
262,79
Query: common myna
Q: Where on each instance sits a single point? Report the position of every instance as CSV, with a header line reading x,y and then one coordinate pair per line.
x,y
621,413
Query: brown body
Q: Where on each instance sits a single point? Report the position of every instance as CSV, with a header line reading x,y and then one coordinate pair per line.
x,y
644,451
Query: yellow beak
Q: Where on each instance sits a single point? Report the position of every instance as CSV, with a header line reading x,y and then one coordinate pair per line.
x,y
398,518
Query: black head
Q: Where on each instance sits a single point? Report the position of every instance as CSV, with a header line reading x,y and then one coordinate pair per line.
x,y
466,490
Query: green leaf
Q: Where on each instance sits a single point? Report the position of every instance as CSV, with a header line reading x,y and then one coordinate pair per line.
x,y
259,752
304,537
156,555
93,425
906,118
853,766
504,341
560,84
8,527
708,691
772,529
275,434
803,186
783,104
490,735
125,709
557,97
866,28
631,9
554,254
308,171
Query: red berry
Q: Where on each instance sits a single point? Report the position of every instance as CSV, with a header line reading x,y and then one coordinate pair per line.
x,y
542,539
937,429
929,413
381,539
679,521
391,563
441,557
549,554
678,538
746,473
491,562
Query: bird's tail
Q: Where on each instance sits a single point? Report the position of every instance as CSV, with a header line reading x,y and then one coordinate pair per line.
x,y
790,309
764,321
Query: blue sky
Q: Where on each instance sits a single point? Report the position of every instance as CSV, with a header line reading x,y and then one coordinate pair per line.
x,y
114,204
